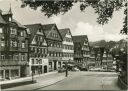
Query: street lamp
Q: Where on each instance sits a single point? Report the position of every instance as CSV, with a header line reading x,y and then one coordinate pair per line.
x,y
32,68
66,65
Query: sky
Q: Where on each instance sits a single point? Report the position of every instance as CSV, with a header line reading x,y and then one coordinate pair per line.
x,y
80,23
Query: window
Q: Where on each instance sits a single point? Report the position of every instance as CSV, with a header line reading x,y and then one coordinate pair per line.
x,y
2,44
1,30
14,44
22,57
32,61
15,57
2,57
51,44
51,54
13,30
23,45
40,30
10,19
50,64
22,33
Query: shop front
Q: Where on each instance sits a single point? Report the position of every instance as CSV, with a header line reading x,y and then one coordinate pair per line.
x,y
38,66
8,73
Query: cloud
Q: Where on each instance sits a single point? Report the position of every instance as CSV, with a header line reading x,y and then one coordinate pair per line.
x,y
95,33
56,19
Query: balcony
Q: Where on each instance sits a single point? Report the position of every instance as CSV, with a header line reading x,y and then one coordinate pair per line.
x,y
9,62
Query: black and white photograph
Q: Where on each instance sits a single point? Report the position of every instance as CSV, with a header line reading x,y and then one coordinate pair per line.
x,y
63,45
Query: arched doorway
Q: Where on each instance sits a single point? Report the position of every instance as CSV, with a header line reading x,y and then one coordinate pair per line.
x,y
45,69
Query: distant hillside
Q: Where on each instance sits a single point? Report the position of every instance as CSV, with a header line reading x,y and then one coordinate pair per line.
x,y
103,43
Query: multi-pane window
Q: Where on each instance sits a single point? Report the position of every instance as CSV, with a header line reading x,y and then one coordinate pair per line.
x,y
15,57
40,30
14,43
22,57
32,61
13,30
2,57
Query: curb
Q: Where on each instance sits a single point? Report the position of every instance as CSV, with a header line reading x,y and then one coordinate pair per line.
x,y
49,84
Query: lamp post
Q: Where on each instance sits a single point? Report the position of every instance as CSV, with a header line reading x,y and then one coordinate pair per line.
x,y
32,74
32,68
66,66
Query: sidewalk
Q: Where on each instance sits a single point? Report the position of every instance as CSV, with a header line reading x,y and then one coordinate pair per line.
x,y
25,78
42,81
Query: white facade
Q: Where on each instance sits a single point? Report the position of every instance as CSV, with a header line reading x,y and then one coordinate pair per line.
x,y
68,48
40,65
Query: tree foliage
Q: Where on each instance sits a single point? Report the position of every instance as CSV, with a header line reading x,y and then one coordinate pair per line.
x,y
104,8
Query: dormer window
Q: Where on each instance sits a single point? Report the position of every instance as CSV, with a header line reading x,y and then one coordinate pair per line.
x,y
40,30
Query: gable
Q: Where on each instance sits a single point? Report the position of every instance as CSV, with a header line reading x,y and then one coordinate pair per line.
x,y
68,34
34,40
54,34
44,42
40,31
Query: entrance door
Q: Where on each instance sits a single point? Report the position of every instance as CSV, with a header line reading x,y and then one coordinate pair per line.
x,y
23,71
55,65
6,74
45,69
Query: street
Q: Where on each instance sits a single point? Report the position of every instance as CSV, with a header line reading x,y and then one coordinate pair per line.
x,y
86,81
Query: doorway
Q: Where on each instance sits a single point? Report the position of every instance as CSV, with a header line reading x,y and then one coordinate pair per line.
x,y
55,64
6,74
45,69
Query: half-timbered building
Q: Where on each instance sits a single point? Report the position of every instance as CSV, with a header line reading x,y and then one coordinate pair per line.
x,y
54,41
13,47
81,50
67,45
38,61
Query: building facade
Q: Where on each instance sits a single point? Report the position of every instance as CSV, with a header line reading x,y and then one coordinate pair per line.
x,y
13,47
67,45
92,58
54,41
81,50
38,61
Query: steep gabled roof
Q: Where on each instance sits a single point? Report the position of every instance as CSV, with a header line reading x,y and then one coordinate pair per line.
x,y
63,32
2,20
47,28
18,24
79,38
33,28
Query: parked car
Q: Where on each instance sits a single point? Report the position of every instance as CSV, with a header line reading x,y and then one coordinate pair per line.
x,y
83,69
61,70
75,69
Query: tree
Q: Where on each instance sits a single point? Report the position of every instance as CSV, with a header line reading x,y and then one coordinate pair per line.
x,y
104,8
124,30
